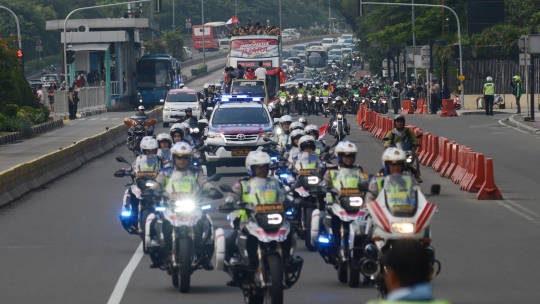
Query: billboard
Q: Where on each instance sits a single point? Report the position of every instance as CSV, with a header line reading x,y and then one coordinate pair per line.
x,y
255,48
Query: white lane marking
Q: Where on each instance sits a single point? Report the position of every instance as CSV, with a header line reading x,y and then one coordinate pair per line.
x,y
522,208
105,118
518,129
525,215
94,118
123,281
114,118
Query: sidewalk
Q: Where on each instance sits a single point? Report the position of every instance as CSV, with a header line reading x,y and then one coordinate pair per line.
x,y
72,131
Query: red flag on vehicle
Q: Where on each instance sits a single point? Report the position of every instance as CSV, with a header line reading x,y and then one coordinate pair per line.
x,y
323,129
232,20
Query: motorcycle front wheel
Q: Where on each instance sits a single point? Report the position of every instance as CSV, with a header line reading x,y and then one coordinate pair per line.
x,y
274,293
307,228
184,258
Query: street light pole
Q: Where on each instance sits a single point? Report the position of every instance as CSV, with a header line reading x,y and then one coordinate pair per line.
x,y
280,28
458,28
414,42
87,8
173,23
19,38
203,40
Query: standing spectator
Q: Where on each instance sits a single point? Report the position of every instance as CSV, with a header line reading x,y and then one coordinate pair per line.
x,y
516,91
34,91
445,91
434,95
52,88
71,103
97,79
226,80
39,94
251,75
91,78
240,74
124,82
76,100
230,77
260,73
489,91
82,80
408,273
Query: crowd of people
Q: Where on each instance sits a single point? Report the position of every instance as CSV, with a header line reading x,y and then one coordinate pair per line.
x,y
255,29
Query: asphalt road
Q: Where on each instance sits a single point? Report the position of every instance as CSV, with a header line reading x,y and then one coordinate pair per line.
x,y
64,243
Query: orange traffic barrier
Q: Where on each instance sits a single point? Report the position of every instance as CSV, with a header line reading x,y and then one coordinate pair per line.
x,y
374,119
454,152
389,126
439,162
420,106
447,157
425,108
434,151
368,122
363,113
406,107
464,161
377,128
422,150
489,190
384,128
448,108
359,116
471,164
478,178
428,151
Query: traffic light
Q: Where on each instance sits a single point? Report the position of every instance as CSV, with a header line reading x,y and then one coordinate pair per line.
x,y
20,54
158,6
70,57
455,49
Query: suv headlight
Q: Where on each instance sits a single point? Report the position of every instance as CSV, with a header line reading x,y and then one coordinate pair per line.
x,y
165,107
214,135
269,134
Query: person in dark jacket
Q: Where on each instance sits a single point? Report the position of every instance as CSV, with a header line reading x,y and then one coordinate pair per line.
x,y
240,74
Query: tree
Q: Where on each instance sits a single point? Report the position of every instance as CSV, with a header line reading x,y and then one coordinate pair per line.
x,y
175,43
13,86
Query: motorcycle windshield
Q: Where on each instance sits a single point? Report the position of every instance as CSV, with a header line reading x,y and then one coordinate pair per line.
x,y
401,197
193,122
405,146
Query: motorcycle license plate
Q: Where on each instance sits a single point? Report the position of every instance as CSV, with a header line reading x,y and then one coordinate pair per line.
x,y
351,192
307,172
152,174
269,208
240,152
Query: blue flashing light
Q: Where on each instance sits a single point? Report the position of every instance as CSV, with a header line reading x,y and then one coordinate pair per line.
x,y
324,239
228,217
160,208
290,212
283,175
206,207
126,213
273,158
195,163
256,99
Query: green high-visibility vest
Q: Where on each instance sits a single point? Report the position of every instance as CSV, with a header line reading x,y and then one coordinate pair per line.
x,y
381,301
489,88
266,194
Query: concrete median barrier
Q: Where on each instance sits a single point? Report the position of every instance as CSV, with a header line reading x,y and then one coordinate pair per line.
x,y
23,178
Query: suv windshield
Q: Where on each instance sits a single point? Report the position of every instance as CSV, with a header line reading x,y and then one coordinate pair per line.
x,y
233,116
248,87
182,97
300,47
327,41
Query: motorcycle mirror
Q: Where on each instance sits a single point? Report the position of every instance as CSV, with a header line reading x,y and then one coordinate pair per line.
x,y
419,135
386,139
227,208
215,195
364,186
121,159
225,188
120,173
266,139
215,177
326,149
435,189
203,148
288,146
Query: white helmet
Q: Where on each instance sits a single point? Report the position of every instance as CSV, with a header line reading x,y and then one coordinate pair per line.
x,y
306,140
217,85
177,127
206,85
186,126
393,155
345,147
296,126
141,108
302,120
311,128
256,158
325,84
489,79
286,118
148,143
164,136
181,148
182,86
296,134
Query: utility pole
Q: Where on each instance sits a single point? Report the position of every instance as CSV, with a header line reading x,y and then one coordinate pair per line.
x,y
280,28
236,9
203,40
329,19
532,90
413,42
173,23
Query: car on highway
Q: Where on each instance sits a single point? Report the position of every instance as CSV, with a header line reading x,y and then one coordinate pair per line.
x,y
188,55
292,32
298,62
224,45
335,53
327,42
336,46
237,126
347,43
314,43
286,36
176,102
345,37
50,78
285,54
347,51
331,59
300,50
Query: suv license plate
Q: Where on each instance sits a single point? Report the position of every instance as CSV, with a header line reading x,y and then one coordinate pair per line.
x,y
240,152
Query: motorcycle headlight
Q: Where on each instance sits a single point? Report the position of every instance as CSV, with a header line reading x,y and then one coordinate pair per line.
x,y
409,159
195,130
383,101
313,180
184,206
335,123
213,135
299,95
339,116
374,100
403,227
166,107
274,219
279,131
149,184
356,201
309,96
356,95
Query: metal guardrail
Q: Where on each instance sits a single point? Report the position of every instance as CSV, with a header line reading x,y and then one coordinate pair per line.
x,y
114,88
90,98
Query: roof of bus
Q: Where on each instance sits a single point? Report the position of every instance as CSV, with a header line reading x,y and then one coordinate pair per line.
x,y
156,56
251,37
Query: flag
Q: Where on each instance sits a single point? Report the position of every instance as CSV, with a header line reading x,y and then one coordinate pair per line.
x,y
323,129
232,20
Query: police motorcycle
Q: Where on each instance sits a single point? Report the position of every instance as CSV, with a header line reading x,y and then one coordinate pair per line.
x,y
192,236
400,211
338,125
374,104
325,104
343,233
196,126
407,147
383,105
265,281
134,221
139,127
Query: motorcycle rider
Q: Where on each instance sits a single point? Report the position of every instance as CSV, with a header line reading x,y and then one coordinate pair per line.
x,y
177,133
393,160
165,143
339,107
177,180
401,134
307,158
282,92
325,92
313,130
283,138
187,136
310,91
303,120
344,176
258,188
140,111
295,150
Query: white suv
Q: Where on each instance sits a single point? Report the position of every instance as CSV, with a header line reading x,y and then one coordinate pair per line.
x,y
176,102
237,126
